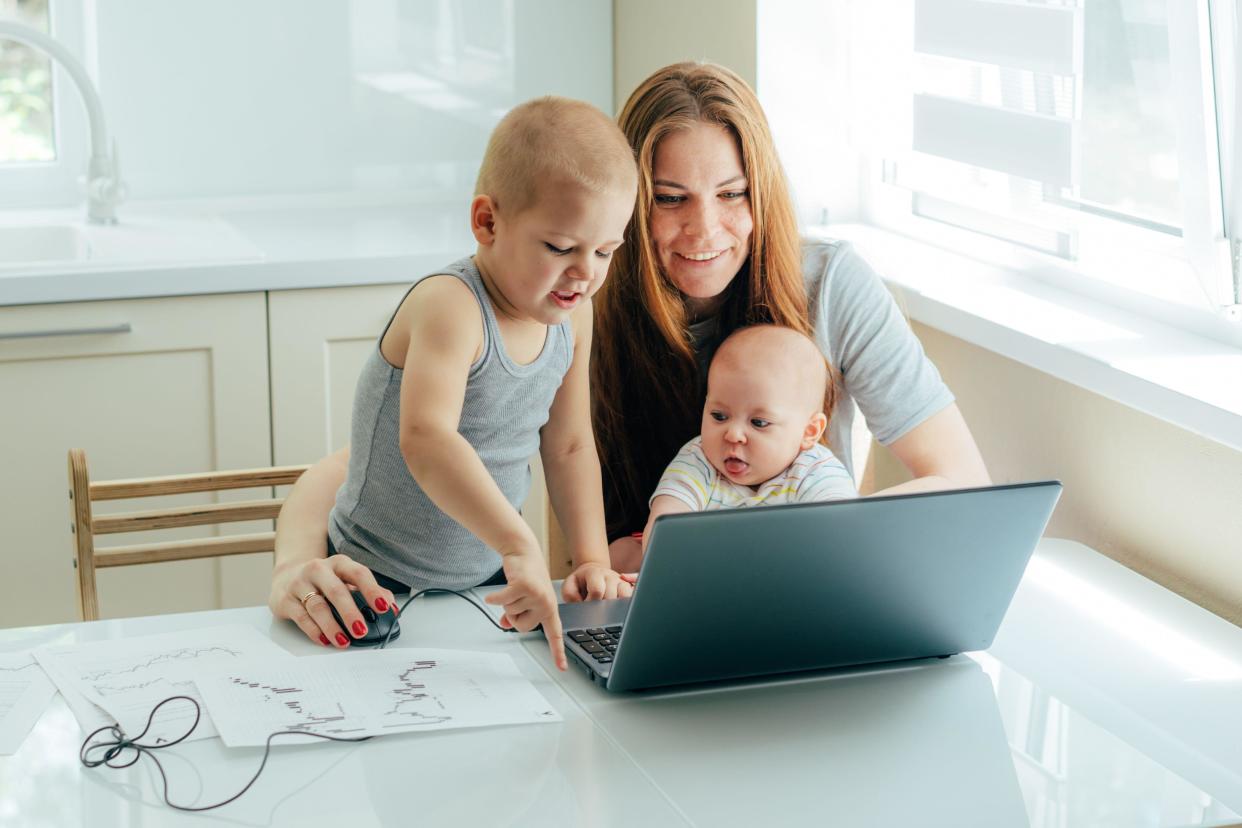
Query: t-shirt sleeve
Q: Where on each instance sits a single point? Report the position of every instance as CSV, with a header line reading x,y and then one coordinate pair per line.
x,y
688,478
859,327
825,478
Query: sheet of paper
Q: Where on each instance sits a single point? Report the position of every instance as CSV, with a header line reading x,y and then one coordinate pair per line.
x,y
90,716
370,694
127,677
25,691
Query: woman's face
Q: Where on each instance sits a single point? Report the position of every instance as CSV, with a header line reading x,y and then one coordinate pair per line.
x,y
700,218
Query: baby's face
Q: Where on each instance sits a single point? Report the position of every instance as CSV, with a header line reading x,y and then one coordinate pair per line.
x,y
754,422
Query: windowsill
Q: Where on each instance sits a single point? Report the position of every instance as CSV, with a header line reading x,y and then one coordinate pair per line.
x,y
1184,379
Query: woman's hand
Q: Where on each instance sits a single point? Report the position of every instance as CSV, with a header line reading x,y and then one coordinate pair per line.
x,y
319,581
529,601
593,581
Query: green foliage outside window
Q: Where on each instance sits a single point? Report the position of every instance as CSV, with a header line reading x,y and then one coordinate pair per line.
x,y
25,90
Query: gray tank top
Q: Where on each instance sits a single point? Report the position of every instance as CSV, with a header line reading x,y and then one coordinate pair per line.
x,y
382,517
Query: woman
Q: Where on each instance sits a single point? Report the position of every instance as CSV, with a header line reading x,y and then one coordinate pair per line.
x,y
713,245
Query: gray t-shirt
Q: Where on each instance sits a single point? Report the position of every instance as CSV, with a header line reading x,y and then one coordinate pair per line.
x,y
879,362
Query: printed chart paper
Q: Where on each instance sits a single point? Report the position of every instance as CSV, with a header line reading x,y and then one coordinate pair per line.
x,y
25,691
370,694
127,677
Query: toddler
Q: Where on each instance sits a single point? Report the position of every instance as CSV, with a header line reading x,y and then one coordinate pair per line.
x,y
484,362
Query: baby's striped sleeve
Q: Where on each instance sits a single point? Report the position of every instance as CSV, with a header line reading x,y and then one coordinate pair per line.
x,y
688,478
825,478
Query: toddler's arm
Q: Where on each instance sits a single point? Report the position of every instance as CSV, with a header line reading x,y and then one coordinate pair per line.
x,y
571,466
442,330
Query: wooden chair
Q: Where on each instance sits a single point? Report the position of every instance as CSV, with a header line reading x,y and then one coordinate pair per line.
x,y
82,493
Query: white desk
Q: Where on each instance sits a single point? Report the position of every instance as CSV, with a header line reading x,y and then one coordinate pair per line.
x,y
1106,700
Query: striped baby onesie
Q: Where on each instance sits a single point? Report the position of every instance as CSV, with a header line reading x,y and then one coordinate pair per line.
x,y
815,474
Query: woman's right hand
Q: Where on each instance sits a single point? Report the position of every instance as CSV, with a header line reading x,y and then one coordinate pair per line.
x,y
324,580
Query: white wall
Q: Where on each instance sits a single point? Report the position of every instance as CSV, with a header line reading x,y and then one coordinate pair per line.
x,y
1159,499
238,98
802,67
650,34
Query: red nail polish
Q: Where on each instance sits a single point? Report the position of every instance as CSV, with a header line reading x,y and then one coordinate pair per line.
x,y
342,640
360,629
381,605
323,639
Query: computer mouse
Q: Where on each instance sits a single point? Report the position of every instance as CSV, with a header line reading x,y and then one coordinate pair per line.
x,y
378,623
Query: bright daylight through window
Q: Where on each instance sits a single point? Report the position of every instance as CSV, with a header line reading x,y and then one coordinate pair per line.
x,y
26,122
1085,131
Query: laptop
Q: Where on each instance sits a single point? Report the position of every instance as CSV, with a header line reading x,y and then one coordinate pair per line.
x,y
737,593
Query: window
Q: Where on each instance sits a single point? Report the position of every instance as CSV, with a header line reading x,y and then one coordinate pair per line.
x,y
1082,130
43,129
1086,141
26,121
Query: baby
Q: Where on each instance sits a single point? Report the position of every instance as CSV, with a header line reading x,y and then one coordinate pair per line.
x,y
762,422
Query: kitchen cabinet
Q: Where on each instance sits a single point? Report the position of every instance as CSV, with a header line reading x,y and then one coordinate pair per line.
x,y
147,387
167,386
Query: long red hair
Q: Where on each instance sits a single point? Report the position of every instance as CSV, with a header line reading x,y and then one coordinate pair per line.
x,y
647,395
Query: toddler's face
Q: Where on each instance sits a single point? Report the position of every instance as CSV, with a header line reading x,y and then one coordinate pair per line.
x,y
554,255
754,422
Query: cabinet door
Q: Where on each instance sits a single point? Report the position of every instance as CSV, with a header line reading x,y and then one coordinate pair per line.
x,y
319,340
146,387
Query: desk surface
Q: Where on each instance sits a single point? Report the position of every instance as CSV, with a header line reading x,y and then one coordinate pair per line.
x,y
1106,700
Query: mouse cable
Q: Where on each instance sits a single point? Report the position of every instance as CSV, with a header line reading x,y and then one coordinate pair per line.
x,y
113,749
441,590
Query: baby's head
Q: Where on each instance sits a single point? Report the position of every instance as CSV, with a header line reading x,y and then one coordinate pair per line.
x,y
554,194
765,402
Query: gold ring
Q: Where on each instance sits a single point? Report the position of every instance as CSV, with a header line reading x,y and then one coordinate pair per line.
x,y
308,596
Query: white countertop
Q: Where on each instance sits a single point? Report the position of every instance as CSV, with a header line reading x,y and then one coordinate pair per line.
x,y
1105,700
180,249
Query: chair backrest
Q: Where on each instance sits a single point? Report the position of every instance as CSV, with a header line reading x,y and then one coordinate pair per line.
x,y
82,493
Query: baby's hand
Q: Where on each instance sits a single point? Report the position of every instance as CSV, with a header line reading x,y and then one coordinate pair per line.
x,y
593,581
529,601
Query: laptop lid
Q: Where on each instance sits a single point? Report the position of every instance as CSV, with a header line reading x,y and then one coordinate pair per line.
x,y
774,589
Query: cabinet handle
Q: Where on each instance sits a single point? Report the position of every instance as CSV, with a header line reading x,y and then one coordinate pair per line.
x,y
124,327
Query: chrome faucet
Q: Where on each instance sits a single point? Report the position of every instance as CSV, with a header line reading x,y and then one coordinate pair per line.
x,y
104,189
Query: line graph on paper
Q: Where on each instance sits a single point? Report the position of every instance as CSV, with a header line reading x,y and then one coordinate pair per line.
x,y
127,677
14,680
24,694
296,709
320,705
412,703
369,694
143,665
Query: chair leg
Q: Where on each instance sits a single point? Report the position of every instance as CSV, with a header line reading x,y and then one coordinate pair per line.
x,y
84,539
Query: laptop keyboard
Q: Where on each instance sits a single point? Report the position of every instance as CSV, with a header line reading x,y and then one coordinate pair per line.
x,y
599,642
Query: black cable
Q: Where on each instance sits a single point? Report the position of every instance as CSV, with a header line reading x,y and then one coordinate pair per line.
x,y
121,743
431,591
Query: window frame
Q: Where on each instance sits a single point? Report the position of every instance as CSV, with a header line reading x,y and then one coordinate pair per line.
x,y
56,183
1202,40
